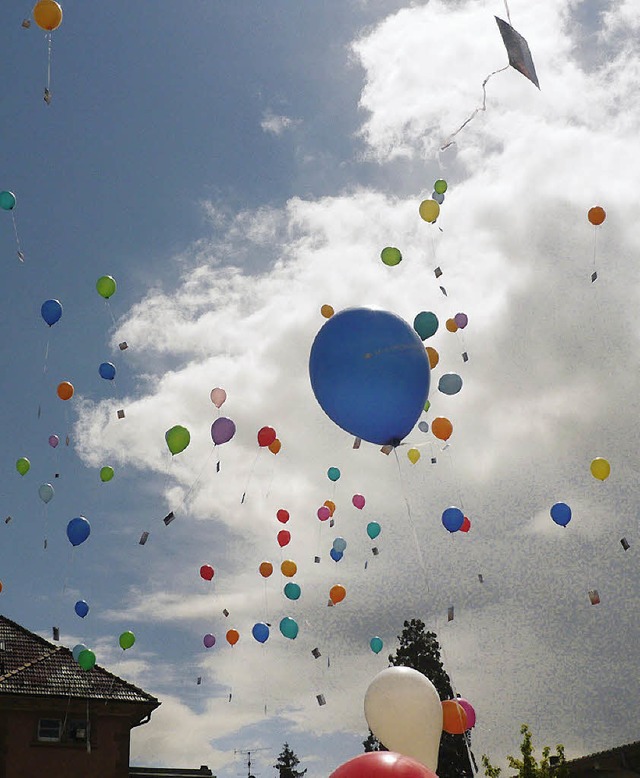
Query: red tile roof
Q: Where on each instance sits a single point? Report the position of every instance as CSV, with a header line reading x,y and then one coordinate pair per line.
x,y
32,666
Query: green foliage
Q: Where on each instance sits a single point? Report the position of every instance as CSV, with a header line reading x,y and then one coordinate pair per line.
x,y
287,764
549,766
420,650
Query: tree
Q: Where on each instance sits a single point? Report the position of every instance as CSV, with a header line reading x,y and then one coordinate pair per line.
x,y
420,650
287,764
550,766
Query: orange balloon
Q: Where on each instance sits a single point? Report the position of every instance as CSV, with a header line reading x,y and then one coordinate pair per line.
x,y
0,586
65,390
596,215
330,504
441,428
275,446
289,568
434,357
47,14
337,593
266,568
233,636
454,717
451,325
327,311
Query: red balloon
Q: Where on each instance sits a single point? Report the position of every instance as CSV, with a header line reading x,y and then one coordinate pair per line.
x,y
283,516
266,436
382,764
284,537
466,525
206,572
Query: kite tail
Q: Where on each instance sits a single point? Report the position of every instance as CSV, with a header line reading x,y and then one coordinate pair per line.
x,y
449,141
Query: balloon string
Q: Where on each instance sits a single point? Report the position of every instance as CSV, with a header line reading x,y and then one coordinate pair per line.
x,y
456,482
483,107
411,523
194,484
15,230
113,319
595,242
244,494
47,91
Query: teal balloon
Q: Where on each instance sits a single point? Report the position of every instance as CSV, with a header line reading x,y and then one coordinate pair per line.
x,y
376,645
426,324
292,591
289,628
373,529
7,201
77,650
333,473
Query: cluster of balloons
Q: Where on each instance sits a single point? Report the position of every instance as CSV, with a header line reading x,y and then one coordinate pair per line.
x,y
457,322
453,519
84,656
458,716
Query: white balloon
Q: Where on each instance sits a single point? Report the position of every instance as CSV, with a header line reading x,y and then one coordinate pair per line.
x,y
403,710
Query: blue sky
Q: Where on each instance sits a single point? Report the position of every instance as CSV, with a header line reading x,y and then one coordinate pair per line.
x,y
235,167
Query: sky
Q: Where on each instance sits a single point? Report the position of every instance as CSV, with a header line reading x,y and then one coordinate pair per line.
x,y
235,167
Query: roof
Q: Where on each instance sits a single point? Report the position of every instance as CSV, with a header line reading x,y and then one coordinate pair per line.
x,y
32,666
168,772
610,752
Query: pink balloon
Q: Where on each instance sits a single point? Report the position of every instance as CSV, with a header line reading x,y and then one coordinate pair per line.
x,y
218,396
358,500
468,709
324,513
53,440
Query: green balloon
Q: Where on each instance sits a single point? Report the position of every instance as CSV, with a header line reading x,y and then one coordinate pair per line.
x,y
23,465
292,591
440,186
106,286
127,639
86,659
425,324
427,405
391,256
106,473
7,201
178,438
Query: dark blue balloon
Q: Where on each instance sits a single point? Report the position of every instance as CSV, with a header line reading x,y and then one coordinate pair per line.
x,y
51,311
336,555
78,530
370,374
561,513
260,632
452,518
81,608
107,371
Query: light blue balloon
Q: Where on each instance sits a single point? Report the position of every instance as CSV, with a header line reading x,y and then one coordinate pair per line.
x,y
450,383
376,645
439,198
260,632
289,628
46,493
339,545
292,591
78,649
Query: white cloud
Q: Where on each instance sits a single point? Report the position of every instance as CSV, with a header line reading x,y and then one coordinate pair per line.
x,y
276,124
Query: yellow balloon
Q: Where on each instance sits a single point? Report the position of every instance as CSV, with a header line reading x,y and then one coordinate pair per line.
x,y
288,568
451,325
414,455
600,468
47,14
434,357
429,210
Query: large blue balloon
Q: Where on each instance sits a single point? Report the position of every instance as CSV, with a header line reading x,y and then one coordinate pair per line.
x,y
78,530
370,374
107,371
51,311
260,632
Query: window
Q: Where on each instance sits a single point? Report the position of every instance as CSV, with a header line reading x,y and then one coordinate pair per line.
x,y
49,730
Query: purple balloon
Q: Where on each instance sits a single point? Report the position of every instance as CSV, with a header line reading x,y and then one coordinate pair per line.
x,y
209,641
222,430
461,319
53,440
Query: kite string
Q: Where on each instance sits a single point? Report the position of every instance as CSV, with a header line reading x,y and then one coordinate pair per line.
x,y
506,8
449,141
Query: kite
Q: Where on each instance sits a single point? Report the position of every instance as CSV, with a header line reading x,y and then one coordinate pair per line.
x,y
519,58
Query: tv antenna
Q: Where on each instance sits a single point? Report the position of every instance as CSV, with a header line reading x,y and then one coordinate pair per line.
x,y
248,753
